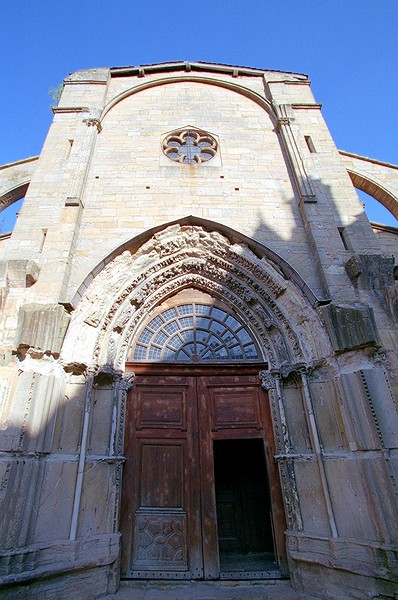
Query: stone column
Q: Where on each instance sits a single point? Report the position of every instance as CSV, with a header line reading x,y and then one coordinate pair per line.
x,y
102,378
123,384
82,453
303,182
272,382
81,164
316,446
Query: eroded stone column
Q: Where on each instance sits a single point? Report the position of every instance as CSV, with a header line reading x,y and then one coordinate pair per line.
x,y
272,381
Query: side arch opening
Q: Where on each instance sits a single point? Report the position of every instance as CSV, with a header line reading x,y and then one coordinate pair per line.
x,y
375,190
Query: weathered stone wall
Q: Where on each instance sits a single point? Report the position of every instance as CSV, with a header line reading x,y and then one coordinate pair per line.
x,y
388,240
273,227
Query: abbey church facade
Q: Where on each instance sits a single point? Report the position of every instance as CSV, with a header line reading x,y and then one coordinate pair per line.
x,y
198,343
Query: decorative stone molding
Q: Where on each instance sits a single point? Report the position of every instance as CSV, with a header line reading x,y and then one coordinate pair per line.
x,y
122,295
92,122
41,327
350,326
271,381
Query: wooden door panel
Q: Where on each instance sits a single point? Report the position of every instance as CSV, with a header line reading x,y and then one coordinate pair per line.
x,y
234,407
229,521
162,505
162,406
233,402
162,482
169,512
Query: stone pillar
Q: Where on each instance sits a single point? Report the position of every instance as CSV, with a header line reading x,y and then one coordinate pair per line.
x,y
320,229
71,214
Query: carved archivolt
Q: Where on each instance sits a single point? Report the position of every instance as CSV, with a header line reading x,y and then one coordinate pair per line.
x,y
120,298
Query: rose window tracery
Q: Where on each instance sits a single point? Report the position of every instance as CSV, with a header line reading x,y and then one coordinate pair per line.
x,y
189,146
195,332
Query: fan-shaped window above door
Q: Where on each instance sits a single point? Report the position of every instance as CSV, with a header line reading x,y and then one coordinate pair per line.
x,y
195,332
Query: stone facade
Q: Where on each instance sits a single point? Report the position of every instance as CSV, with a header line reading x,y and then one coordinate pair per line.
x,y
109,229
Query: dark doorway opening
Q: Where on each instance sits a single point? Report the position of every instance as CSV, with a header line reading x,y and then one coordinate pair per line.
x,y
245,533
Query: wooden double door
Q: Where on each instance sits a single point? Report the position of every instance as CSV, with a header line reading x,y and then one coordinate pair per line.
x,y
199,479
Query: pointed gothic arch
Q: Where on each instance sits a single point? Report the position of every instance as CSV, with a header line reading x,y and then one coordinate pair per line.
x,y
256,284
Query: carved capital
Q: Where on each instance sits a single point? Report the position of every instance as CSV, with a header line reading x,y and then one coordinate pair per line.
x,y
106,375
75,368
302,369
282,122
267,379
93,122
127,381
92,368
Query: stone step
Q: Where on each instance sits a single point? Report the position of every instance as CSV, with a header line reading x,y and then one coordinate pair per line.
x,y
208,590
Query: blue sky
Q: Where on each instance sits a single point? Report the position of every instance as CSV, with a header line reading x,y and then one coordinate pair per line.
x,y
349,49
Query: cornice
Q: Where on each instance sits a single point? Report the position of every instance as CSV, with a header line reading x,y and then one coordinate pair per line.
x,y
290,81
387,228
84,81
307,106
234,70
368,159
19,162
70,109
192,77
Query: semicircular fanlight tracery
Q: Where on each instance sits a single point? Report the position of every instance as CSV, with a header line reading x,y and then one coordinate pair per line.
x,y
195,332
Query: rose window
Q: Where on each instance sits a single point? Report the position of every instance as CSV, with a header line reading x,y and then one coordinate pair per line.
x,y
189,146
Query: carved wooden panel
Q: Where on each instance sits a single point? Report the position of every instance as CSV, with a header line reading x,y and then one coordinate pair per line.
x,y
160,540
